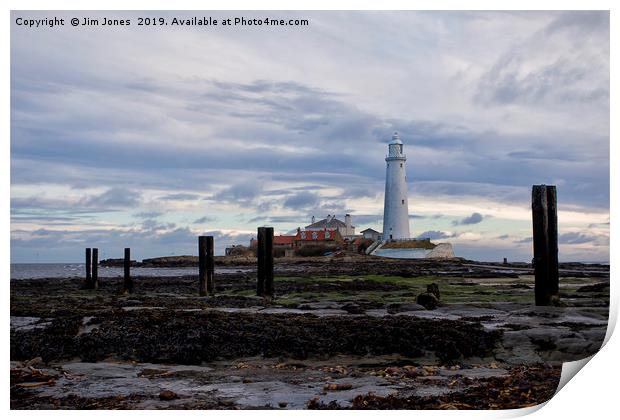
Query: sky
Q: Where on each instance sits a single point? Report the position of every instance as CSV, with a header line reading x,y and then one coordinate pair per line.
x,y
146,137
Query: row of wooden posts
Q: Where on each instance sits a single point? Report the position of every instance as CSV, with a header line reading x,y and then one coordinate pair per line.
x,y
206,266
545,242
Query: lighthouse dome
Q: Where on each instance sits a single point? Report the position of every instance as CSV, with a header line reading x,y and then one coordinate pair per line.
x,y
395,148
396,139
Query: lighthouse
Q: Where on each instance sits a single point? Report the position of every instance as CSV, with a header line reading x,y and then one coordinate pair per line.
x,y
395,207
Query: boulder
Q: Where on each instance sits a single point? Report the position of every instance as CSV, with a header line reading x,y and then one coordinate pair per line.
x,y
352,308
428,300
441,251
434,289
168,395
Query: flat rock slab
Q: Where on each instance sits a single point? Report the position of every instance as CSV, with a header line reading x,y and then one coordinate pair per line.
x,y
26,323
249,383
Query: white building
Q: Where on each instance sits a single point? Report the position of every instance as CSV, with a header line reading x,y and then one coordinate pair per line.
x,y
346,229
371,234
396,206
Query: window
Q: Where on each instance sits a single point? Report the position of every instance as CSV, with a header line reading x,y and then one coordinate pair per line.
x,y
401,165
402,201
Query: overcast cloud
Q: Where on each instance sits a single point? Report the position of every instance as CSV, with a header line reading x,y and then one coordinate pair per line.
x,y
148,138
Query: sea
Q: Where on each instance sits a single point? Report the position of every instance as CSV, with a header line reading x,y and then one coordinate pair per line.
x,y
68,270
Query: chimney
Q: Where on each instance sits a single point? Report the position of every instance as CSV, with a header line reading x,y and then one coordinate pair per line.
x,y
347,222
312,219
299,229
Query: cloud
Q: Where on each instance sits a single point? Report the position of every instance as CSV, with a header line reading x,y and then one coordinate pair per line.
x,y
302,200
359,220
265,219
154,225
575,238
180,197
113,198
204,219
148,214
537,71
240,192
527,240
149,240
474,219
435,234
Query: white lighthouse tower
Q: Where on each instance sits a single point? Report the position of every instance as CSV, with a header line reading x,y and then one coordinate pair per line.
x,y
396,207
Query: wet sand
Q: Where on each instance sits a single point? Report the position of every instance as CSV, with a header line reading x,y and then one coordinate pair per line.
x,y
340,333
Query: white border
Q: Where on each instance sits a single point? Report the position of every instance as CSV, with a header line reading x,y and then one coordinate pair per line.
x,y
591,394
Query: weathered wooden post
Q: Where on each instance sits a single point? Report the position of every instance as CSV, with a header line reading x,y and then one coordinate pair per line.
x,y
269,262
552,233
95,268
260,267
210,266
202,265
89,280
505,260
127,280
264,284
545,237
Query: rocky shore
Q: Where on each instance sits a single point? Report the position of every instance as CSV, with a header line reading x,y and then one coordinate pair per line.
x,y
341,332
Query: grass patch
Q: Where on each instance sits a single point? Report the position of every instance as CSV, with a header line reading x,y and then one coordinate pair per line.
x,y
451,290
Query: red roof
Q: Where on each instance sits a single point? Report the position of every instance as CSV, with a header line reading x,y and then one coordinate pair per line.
x,y
283,240
277,240
316,235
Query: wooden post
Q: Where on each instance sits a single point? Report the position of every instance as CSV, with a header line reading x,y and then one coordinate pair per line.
x,y
552,233
260,267
210,266
202,265
95,268
127,281
505,260
264,283
544,224
89,280
269,262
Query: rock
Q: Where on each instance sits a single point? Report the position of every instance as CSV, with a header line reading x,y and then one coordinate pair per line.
x,y
352,308
319,305
428,300
434,289
118,262
337,387
597,287
282,404
443,250
555,301
173,261
167,395
394,308
392,371
35,362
